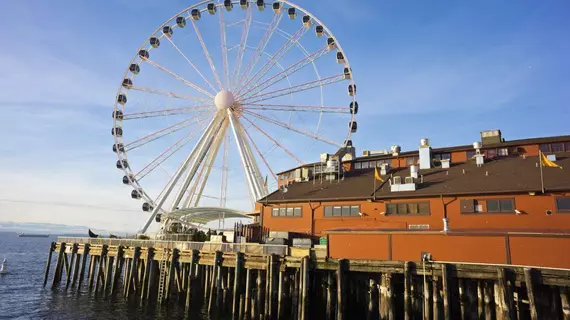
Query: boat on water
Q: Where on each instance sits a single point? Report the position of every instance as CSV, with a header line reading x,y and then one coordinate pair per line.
x,y
33,235
3,267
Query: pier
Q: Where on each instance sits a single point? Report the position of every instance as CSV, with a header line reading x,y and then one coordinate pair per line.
x,y
254,281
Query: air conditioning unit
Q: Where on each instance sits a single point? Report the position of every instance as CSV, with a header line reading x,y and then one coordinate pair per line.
x,y
397,180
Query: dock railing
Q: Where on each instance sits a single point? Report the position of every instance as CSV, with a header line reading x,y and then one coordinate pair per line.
x,y
249,248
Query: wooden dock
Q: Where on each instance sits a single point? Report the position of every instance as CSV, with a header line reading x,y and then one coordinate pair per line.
x,y
271,284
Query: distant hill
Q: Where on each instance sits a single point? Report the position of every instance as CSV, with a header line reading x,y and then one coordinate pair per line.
x,y
51,228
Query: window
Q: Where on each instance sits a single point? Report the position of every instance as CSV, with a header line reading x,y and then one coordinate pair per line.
x,y
503,152
364,165
407,208
411,161
442,156
567,146
563,204
286,212
379,163
342,211
358,165
544,147
500,205
557,147
470,154
491,153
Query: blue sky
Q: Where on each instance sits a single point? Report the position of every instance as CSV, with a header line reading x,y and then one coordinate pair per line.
x,y
445,70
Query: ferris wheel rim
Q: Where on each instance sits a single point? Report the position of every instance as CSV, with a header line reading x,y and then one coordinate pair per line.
x,y
127,74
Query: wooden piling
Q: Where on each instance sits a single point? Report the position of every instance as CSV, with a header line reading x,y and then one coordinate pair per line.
x,y
59,265
488,299
237,284
190,279
92,263
280,293
329,310
565,303
146,275
83,264
340,290
461,287
371,299
529,281
248,294
445,292
118,269
503,296
435,297
305,288
71,265
214,280
407,291
48,262
76,268
259,298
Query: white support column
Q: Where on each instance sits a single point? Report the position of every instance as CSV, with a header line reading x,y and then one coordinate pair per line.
x,y
205,145
179,173
249,164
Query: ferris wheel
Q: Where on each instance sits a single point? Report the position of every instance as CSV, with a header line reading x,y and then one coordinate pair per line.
x,y
224,95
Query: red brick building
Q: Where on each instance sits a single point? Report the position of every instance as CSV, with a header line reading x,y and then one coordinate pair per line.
x,y
493,204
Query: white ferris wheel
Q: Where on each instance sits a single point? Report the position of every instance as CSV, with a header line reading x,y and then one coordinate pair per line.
x,y
220,98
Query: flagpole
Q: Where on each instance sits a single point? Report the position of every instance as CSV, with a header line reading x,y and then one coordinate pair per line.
x,y
541,175
374,192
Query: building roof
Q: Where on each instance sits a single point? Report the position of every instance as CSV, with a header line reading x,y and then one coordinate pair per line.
x,y
504,175
505,144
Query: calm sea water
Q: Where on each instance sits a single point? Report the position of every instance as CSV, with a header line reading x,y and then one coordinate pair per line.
x,y
22,295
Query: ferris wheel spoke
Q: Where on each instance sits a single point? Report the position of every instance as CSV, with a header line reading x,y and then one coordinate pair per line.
x,y
163,132
273,140
242,46
224,50
166,112
292,128
309,59
294,108
297,88
169,152
191,63
178,77
260,155
260,48
205,49
275,58
169,94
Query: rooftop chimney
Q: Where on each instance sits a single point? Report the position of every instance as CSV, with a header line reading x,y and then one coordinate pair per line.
x,y
425,154
491,137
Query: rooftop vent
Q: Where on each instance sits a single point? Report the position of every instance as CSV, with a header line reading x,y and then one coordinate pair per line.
x,y
491,137
425,154
395,150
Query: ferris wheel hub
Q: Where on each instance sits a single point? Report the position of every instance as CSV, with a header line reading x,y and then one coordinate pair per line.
x,y
224,99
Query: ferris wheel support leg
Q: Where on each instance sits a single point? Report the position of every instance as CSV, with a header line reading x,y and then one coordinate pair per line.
x,y
249,164
204,147
210,163
179,173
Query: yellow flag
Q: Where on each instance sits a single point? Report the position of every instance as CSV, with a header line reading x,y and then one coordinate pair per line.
x,y
377,175
547,163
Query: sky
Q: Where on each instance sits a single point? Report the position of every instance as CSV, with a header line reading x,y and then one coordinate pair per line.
x,y
443,70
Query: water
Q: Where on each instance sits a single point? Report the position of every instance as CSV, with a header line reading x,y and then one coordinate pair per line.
x,y
22,295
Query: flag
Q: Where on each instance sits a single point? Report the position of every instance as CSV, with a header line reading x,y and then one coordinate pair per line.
x,y
547,163
377,175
